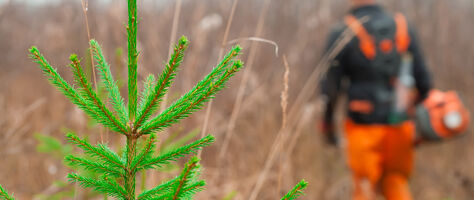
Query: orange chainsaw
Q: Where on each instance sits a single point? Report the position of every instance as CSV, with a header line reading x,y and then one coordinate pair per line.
x,y
442,115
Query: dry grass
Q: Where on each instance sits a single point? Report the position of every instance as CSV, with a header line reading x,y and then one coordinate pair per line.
x,y
298,27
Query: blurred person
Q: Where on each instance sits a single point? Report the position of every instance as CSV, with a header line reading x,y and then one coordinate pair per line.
x,y
386,76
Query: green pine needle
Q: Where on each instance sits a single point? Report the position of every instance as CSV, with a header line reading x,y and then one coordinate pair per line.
x,y
164,188
164,81
88,102
296,192
102,152
106,186
146,153
186,178
191,101
55,79
93,166
108,81
4,194
148,87
105,116
207,81
117,174
177,153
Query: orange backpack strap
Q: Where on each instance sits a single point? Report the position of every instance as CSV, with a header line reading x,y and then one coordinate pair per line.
x,y
402,37
366,41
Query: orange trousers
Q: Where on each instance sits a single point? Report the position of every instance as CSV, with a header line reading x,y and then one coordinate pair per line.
x,y
381,159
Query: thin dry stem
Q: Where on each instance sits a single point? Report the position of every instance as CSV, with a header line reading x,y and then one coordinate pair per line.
x,y
304,95
284,105
221,54
85,6
256,39
243,83
279,141
284,93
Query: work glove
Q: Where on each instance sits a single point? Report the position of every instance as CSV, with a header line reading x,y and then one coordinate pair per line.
x,y
329,133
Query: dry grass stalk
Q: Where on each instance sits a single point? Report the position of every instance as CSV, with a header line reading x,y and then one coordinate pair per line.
x,y
85,8
304,96
284,93
257,39
243,83
284,105
22,116
279,141
221,54
319,71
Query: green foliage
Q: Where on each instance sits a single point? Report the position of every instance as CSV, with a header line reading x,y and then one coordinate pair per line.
x,y
172,155
182,187
159,90
230,196
65,192
4,194
296,192
116,174
52,146
108,80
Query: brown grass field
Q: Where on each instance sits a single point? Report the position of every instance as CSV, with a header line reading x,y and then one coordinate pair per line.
x,y
28,104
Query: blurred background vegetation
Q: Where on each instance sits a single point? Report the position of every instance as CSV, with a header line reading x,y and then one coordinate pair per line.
x,y
28,105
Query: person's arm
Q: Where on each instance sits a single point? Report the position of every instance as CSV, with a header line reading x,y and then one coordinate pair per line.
x,y
330,88
420,71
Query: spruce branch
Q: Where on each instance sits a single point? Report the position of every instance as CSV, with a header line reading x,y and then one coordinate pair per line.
x,y
296,192
4,194
91,165
148,86
215,73
106,186
159,190
102,152
188,103
56,80
132,58
189,173
189,191
106,117
164,82
164,191
108,80
69,91
146,153
177,153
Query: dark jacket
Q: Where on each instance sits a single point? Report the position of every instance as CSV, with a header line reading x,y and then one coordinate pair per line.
x,y
351,64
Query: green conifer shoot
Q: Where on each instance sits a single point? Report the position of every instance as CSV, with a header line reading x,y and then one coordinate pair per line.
x,y
118,172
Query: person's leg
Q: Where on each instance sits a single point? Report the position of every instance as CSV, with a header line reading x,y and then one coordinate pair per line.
x,y
363,188
398,162
395,187
364,158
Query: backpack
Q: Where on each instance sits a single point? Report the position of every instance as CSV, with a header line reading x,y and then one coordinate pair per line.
x,y
374,93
